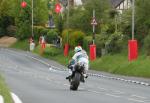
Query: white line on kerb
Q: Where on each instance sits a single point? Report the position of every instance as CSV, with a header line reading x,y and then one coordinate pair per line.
x,y
1,99
15,98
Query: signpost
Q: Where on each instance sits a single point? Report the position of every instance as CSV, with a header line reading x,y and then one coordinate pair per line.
x,y
93,46
93,23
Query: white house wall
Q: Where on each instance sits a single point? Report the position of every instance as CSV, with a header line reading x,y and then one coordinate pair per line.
x,y
126,4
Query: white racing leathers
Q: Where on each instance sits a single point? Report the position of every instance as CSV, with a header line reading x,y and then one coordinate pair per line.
x,y
82,59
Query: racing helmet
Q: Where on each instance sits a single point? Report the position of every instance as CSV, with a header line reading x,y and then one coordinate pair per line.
x,y
77,49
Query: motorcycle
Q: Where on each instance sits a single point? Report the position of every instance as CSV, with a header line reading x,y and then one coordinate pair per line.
x,y
76,77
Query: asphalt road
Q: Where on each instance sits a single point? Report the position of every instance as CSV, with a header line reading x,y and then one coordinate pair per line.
x,y
32,80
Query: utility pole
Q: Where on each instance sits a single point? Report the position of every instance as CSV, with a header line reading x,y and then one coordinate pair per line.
x,y
93,23
32,19
66,48
93,28
133,14
68,20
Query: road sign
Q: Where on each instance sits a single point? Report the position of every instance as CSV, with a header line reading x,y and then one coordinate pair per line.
x,y
93,22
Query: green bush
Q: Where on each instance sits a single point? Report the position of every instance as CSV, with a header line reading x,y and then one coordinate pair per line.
x,y
5,22
100,40
115,42
65,36
52,51
51,36
76,38
37,31
86,42
147,44
11,30
1,32
23,24
73,37
24,30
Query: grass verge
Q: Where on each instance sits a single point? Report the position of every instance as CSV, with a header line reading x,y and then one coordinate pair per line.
x,y
119,64
22,44
4,91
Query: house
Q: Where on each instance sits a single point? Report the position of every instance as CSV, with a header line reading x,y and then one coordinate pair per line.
x,y
121,5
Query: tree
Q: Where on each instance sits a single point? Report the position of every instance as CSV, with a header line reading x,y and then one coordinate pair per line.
x,y
80,17
142,19
40,12
5,18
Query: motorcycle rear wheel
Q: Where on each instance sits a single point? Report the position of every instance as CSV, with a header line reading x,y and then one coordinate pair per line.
x,y
75,81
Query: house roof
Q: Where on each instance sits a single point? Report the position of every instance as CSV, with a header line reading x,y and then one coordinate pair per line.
x,y
115,3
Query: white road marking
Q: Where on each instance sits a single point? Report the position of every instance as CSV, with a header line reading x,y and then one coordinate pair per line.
x,y
102,88
16,98
38,60
139,96
94,91
136,100
116,96
119,92
51,69
1,99
67,85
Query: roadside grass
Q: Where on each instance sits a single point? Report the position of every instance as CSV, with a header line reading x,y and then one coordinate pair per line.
x,y
53,53
119,64
116,63
21,44
4,91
